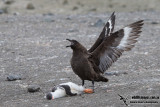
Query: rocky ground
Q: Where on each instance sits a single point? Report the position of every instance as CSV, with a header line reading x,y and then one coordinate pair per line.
x,y
33,46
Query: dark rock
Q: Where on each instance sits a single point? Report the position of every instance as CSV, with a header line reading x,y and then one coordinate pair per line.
x,y
33,88
124,6
93,9
75,8
154,23
79,3
68,18
4,10
30,6
15,13
48,14
1,11
65,2
110,6
13,77
8,2
99,23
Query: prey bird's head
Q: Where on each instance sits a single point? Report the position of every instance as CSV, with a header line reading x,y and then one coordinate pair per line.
x,y
74,44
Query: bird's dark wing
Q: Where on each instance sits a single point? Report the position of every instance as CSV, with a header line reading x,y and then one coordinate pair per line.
x,y
107,30
114,45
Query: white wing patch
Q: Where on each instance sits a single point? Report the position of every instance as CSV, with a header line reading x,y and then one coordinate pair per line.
x,y
108,28
124,41
110,24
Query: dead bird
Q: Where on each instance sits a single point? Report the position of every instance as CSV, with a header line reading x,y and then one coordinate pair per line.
x,y
91,64
67,89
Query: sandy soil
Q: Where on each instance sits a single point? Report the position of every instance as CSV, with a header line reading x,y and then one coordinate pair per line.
x,y
33,46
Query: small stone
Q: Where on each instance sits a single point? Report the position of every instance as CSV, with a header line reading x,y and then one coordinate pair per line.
x,y
75,8
49,20
110,73
79,3
1,11
8,2
154,23
48,14
30,6
99,23
68,18
4,10
33,88
115,73
93,9
110,6
16,13
13,77
65,2
124,6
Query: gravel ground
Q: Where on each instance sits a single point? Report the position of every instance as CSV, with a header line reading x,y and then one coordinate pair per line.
x,y
33,46
76,6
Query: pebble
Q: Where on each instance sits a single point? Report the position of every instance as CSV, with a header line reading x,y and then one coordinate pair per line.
x,y
99,23
48,14
33,88
8,2
13,77
114,73
68,18
1,11
93,9
73,30
30,6
65,2
49,20
154,23
75,8
4,10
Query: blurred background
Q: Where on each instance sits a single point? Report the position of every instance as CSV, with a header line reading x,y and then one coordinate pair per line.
x,y
76,6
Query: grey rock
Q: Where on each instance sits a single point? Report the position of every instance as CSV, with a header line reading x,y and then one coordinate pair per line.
x,y
8,2
1,11
154,23
4,10
49,20
75,8
93,9
33,88
115,73
80,4
65,2
13,77
68,18
99,23
30,6
48,14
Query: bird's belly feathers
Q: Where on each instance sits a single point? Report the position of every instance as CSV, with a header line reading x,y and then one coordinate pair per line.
x,y
82,67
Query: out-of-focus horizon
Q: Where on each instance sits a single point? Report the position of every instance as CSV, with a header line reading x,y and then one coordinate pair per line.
x,y
76,6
